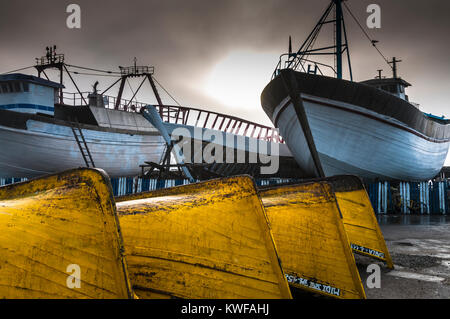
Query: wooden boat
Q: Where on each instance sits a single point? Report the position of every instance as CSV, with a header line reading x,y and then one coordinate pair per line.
x,y
339,127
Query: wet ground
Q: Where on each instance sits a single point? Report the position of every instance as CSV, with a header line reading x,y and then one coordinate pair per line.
x,y
420,249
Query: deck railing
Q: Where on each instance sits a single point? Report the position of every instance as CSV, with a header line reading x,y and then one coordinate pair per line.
x,y
188,116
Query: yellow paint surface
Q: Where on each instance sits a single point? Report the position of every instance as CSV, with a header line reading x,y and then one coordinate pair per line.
x,y
208,240
311,240
48,224
362,226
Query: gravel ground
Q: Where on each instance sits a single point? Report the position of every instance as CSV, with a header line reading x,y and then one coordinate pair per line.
x,y
420,249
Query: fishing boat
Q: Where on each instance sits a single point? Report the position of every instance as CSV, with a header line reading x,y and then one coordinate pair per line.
x,y
44,129
335,126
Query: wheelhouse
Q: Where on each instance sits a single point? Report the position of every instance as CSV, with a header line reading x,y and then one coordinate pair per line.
x,y
28,94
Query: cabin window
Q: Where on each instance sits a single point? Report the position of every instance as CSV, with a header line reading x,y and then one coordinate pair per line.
x,y
14,87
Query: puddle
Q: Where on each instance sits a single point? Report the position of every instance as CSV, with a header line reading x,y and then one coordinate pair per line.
x,y
404,244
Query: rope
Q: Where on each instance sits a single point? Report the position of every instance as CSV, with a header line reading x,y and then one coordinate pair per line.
x,y
367,36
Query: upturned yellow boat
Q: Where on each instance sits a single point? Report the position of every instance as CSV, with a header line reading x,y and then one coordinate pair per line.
x,y
359,218
207,240
60,238
311,239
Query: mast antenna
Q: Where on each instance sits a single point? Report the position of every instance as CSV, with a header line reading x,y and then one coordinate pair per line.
x,y
394,66
290,46
379,74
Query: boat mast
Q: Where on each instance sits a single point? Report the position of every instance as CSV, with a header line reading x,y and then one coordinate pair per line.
x,y
297,61
339,18
135,71
394,66
52,60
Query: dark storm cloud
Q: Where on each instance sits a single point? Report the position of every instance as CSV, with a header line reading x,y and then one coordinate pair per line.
x,y
184,39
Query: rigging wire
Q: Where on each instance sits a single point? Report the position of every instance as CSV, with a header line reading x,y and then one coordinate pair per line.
x,y
134,93
94,74
90,69
109,74
367,36
13,71
166,92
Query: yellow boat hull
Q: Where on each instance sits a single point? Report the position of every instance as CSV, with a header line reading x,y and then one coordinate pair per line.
x,y
60,238
360,221
208,240
311,240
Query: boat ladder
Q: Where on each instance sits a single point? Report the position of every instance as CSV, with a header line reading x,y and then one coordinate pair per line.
x,y
82,145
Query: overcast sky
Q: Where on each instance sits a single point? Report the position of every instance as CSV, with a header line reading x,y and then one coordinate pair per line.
x,y
219,54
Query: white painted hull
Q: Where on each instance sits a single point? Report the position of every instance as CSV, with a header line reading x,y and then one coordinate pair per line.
x,y
353,140
48,148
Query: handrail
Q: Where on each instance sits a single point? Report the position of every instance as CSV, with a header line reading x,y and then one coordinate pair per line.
x,y
189,116
295,62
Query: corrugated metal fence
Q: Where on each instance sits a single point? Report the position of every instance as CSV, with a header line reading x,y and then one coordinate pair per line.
x,y
7,181
386,198
131,185
410,198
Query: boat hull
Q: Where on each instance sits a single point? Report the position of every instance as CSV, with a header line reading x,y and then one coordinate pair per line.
x,y
354,144
119,142
354,140
45,147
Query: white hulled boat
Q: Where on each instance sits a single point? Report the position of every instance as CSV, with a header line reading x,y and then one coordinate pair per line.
x,y
333,126
46,130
